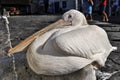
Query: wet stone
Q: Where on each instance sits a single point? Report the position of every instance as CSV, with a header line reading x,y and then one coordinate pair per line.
x,y
23,26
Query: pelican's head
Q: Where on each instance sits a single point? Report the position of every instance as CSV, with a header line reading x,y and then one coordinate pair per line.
x,y
75,18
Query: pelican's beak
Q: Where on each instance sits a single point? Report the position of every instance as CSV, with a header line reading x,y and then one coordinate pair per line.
x,y
25,43
10,52
65,23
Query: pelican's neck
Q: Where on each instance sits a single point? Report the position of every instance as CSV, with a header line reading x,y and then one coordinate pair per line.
x,y
81,25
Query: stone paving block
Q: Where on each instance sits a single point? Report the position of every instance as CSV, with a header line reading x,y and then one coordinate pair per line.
x,y
23,26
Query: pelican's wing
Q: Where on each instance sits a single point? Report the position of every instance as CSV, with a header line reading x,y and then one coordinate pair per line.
x,y
83,42
24,44
76,48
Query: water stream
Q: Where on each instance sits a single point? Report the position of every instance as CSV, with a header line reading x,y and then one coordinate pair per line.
x,y
10,45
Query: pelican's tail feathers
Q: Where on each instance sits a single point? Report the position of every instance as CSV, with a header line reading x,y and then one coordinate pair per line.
x,y
114,48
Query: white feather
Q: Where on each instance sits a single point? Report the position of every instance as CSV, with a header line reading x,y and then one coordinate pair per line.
x,y
65,50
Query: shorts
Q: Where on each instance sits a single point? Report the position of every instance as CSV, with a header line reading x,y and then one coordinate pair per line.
x,y
103,8
89,9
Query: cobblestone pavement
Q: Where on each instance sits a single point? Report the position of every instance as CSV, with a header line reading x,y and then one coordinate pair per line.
x,y
22,27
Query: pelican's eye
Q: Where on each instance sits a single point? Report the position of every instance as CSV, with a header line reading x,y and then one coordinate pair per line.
x,y
69,16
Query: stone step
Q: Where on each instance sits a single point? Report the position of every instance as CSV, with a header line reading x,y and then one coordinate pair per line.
x,y
112,29
114,36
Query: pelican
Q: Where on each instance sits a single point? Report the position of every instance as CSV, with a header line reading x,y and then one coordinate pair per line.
x,y
70,48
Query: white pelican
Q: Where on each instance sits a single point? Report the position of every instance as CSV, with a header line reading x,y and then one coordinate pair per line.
x,y
70,48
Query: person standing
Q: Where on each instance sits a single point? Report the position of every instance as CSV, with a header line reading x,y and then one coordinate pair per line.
x,y
89,4
115,7
104,14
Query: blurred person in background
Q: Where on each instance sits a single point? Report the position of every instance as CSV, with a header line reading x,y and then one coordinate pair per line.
x,y
115,7
104,14
88,12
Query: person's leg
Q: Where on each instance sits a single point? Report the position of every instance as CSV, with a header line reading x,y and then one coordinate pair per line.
x,y
87,11
105,16
90,13
86,15
91,18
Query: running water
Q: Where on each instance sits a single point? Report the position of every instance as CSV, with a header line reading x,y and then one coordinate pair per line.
x,y
105,75
10,45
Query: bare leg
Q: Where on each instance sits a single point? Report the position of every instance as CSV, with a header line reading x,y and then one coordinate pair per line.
x,y
86,15
91,18
105,17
